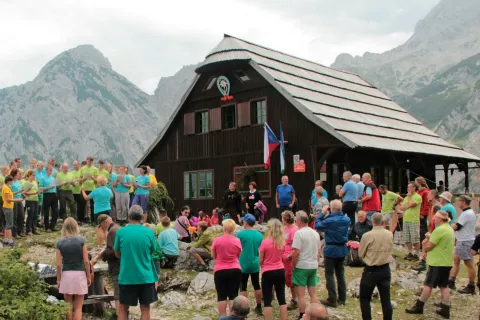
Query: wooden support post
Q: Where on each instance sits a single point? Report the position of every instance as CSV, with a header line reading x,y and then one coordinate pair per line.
x,y
445,175
467,182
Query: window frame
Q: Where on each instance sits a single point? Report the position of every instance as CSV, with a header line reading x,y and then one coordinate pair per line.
x,y
198,187
210,83
208,121
239,77
253,114
235,125
262,169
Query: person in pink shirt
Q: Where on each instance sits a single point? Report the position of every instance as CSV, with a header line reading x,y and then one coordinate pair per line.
x,y
273,272
289,229
227,272
214,219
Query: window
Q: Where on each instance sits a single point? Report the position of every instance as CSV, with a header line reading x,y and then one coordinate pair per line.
x,y
201,122
259,112
198,184
241,75
388,177
244,175
228,117
210,83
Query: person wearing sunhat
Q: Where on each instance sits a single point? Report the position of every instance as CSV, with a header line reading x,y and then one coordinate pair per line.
x,y
439,245
465,235
251,240
446,202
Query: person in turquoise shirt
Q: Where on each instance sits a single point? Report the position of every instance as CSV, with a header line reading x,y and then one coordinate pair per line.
x,y
251,240
134,246
168,241
143,186
39,173
446,202
50,199
18,212
122,198
101,197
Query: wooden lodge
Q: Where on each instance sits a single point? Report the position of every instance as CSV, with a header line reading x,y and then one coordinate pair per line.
x,y
333,121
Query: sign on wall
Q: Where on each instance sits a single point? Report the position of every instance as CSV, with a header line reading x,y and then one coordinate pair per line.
x,y
298,164
223,85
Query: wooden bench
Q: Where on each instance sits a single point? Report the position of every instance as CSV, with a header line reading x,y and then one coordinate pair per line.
x,y
96,292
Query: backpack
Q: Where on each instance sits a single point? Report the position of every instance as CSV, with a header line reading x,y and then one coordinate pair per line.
x,y
353,259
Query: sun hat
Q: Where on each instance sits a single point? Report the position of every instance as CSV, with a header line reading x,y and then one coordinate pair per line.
x,y
447,196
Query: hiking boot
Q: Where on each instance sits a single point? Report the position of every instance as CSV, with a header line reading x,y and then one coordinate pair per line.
x,y
451,285
417,308
329,303
36,233
422,266
341,303
5,241
30,234
11,244
258,311
408,256
470,289
293,304
444,311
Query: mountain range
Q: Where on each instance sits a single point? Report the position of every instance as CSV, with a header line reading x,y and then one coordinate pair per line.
x,y
78,106
435,75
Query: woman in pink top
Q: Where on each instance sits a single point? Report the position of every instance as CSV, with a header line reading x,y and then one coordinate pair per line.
x,y
227,271
273,272
289,229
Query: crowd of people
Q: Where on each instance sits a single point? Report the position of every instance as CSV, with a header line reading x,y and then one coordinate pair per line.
x,y
360,217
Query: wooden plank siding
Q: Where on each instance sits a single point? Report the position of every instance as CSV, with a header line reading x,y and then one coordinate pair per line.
x,y
222,150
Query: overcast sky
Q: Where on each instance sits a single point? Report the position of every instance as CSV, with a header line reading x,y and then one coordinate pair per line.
x,y
145,39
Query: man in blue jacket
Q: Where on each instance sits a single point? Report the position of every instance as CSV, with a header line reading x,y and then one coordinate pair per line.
x,y
335,225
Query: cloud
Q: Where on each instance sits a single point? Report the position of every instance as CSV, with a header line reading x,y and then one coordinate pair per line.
x,y
145,39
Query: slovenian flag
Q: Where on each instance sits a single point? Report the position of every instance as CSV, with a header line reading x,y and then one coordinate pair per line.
x,y
282,151
270,143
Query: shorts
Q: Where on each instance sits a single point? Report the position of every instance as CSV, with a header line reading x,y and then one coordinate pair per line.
x,y
270,280
255,281
132,294
8,213
304,277
201,252
463,249
437,277
227,283
287,264
387,217
411,232
116,287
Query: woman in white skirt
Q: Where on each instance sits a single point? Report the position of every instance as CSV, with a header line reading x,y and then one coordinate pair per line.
x,y
73,268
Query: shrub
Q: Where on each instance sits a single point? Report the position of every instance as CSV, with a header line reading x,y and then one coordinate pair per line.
x,y
158,199
23,294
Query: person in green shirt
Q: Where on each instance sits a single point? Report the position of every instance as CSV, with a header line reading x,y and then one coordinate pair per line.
x,y
411,221
31,202
201,249
76,191
439,246
251,240
134,245
88,176
65,193
389,201
159,228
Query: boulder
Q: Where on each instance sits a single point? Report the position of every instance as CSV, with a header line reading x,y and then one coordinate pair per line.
x,y
202,283
216,229
336,314
173,299
201,318
394,304
186,261
406,284
174,280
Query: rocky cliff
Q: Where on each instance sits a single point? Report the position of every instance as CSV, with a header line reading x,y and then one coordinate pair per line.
x,y
435,74
78,106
